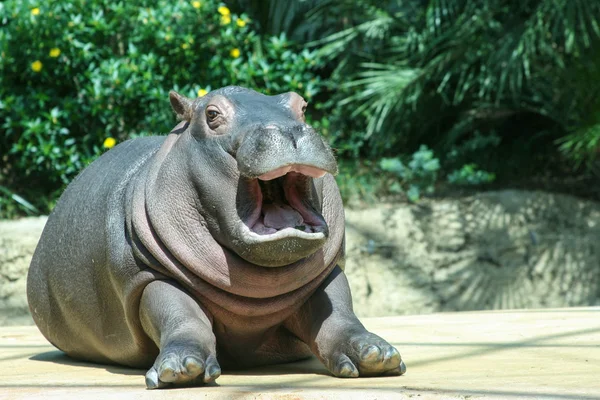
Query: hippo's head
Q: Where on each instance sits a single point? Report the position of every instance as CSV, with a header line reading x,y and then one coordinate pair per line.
x,y
258,170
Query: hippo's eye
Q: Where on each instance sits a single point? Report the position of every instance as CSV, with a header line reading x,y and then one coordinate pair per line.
x,y
212,113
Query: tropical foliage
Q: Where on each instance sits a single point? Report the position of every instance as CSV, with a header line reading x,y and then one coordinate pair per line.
x,y
446,72
492,88
78,76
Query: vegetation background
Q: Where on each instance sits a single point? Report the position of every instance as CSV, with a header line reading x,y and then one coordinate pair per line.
x,y
417,97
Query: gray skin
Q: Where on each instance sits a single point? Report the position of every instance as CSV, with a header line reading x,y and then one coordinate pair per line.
x,y
163,253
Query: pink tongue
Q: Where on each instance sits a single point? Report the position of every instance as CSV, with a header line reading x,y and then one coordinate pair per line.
x,y
280,217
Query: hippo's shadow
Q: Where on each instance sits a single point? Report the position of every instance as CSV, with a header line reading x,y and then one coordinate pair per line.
x,y
57,356
308,366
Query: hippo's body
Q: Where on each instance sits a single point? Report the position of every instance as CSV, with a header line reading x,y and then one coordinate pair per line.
x,y
218,245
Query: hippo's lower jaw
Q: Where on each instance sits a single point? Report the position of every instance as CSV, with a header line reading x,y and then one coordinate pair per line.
x,y
285,221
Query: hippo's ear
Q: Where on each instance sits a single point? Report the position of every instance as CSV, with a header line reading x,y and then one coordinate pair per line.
x,y
181,105
297,104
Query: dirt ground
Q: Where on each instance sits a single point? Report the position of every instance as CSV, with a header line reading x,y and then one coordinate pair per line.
x,y
495,250
17,243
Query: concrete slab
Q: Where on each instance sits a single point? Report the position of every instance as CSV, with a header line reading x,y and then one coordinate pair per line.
x,y
553,353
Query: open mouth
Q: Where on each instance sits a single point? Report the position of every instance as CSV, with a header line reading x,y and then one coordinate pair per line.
x,y
284,203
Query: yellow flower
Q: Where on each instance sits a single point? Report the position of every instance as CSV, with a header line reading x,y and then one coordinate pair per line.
x,y
35,11
224,11
225,19
167,37
240,22
202,92
235,53
109,143
185,46
54,52
196,4
37,66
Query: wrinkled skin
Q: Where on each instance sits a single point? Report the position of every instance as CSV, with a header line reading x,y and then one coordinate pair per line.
x,y
218,246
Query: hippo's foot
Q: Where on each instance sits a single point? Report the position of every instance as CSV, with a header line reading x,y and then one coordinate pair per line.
x,y
329,326
363,354
182,365
182,331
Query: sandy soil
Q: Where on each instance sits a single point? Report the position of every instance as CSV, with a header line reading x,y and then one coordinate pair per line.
x,y
495,250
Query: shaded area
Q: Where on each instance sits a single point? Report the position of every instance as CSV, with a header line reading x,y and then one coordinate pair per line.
x,y
533,245
496,250
59,357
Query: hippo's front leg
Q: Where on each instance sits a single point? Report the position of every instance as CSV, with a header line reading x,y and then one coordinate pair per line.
x,y
328,325
182,331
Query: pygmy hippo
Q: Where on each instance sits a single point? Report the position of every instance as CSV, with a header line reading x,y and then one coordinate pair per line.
x,y
219,245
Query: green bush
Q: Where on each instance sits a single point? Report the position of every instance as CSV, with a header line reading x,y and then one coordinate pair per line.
x,y
359,182
416,178
80,75
436,72
469,174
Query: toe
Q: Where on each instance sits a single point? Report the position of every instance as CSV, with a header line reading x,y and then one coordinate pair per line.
x,y
213,370
400,370
344,367
193,366
168,371
392,358
371,354
152,381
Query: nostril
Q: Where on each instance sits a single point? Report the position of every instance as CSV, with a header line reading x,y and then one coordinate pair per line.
x,y
294,135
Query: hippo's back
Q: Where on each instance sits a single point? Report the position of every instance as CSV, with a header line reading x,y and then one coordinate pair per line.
x,y
71,288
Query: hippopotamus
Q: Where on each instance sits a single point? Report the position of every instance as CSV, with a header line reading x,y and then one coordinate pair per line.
x,y
219,245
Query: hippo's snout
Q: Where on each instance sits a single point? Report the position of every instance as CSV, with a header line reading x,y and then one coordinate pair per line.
x,y
270,149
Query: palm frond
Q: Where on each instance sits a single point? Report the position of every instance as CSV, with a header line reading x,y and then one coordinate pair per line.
x,y
380,85
533,57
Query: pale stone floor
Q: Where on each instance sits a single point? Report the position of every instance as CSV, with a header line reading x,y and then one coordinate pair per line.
x,y
552,353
